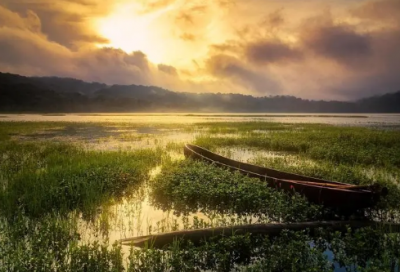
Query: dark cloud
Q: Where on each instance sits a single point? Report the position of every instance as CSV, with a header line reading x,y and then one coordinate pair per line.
x,y
379,11
367,51
114,66
273,20
168,69
26,53
382,74
266,51
328,57
224,66
338,42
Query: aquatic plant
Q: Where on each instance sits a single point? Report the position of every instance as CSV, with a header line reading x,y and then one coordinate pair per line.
x,y
44,177
189,186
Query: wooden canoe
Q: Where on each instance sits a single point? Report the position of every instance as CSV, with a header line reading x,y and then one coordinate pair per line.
x,y
197,235
343,196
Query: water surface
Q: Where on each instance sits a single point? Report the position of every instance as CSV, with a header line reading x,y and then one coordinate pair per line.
x,y
188,118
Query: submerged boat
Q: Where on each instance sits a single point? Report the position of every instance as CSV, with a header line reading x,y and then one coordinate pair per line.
x,y
343,196
161,240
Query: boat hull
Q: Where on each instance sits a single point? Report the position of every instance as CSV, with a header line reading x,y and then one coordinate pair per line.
x,y
196,236
327,193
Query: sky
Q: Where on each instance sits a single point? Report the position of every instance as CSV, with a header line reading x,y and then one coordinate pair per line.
x,y
316,49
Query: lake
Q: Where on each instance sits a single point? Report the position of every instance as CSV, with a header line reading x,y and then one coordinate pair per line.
x,y
191,118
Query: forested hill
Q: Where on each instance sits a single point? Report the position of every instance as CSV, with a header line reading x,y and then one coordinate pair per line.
x,y
52,94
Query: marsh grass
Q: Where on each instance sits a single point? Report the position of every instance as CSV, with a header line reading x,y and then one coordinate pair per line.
x,y
319,142
53,244
46,187
346,154
190,186
356,174
40,178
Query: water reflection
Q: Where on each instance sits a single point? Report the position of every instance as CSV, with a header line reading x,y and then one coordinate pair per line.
x,y
184,118
248,154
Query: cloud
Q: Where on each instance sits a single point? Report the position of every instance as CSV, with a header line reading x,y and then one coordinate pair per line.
x,y
27,51
188,15
29,21
378,11
266,51
324,56
228,67
188,37
64,22
273,20
168,69
338,42
114,66
366,49
153,6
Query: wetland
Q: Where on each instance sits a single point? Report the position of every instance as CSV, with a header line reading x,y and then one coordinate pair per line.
x,y
72,186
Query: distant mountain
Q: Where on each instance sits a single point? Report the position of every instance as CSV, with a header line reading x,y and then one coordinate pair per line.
x,y
53,94
71,85
67,85
389,103
24,94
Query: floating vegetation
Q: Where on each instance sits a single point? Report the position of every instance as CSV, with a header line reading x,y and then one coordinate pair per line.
x,y
190,186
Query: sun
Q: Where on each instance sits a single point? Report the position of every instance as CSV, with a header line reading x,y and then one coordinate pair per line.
x,y
155,33
130,32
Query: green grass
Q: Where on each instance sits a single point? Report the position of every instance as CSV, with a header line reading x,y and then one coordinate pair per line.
x,y
356,174
346,154
39,178
319,142
190,186
47,187
52,244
